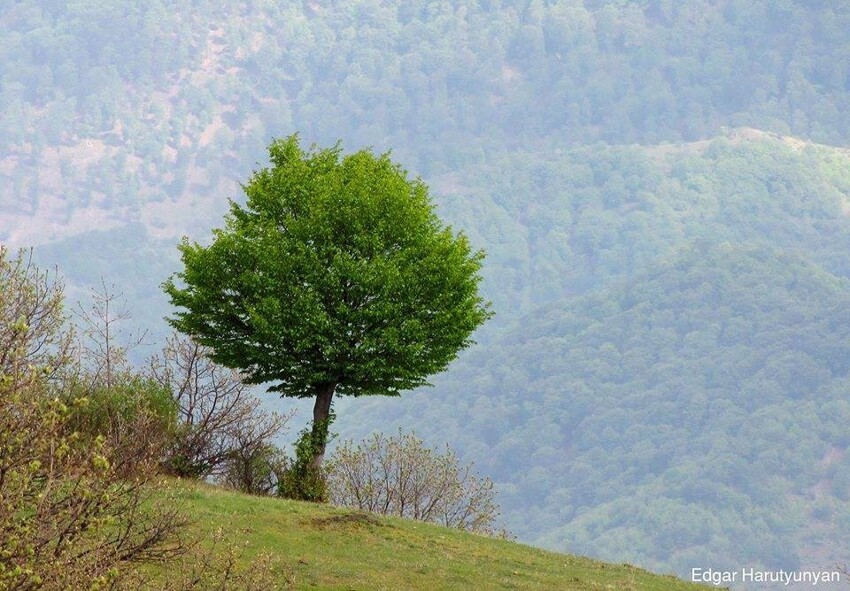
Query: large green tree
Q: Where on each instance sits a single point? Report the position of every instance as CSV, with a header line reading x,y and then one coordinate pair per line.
x,y
336,277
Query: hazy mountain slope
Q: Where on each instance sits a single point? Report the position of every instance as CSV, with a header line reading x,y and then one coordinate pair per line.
x,y
562,224
153,111
697,412
729,324
132,264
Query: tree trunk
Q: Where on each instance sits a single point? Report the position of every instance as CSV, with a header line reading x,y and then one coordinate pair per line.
x,y
321,421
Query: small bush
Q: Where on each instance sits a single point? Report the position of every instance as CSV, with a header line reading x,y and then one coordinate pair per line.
x,y
400,476
304,480
136,416
255,470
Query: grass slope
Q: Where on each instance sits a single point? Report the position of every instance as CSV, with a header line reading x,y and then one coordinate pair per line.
x,y
333,548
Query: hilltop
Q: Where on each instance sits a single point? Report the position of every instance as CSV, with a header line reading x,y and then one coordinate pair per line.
x,y
332,548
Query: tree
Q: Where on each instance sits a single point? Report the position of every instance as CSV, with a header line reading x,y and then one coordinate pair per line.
x,y
106,357
336,277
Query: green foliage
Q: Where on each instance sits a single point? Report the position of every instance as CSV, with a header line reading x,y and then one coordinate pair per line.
x,y
102,410
32,317
336,276
337,271
74,510
304,479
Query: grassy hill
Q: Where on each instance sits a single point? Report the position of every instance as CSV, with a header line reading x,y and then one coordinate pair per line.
x,y
332,548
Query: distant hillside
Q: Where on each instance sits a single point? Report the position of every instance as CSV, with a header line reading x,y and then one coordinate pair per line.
x,y
338,549
154,111
697,412
562,224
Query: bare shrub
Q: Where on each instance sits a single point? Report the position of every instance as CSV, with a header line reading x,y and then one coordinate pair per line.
x,y
103,352
255,469
217,430
400,476
219,421
136,415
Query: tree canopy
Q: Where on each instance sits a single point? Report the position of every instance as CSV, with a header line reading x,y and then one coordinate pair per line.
x,y
336,276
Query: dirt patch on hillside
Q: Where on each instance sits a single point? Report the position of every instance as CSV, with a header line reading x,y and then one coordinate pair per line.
x,y
346,519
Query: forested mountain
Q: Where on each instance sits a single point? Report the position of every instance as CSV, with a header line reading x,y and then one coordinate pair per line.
x,y
685,396
104,123
697,412
661,187
562,224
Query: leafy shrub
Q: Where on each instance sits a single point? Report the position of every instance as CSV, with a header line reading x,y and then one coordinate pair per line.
x,y
70,516
304,479
136,417
31,318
